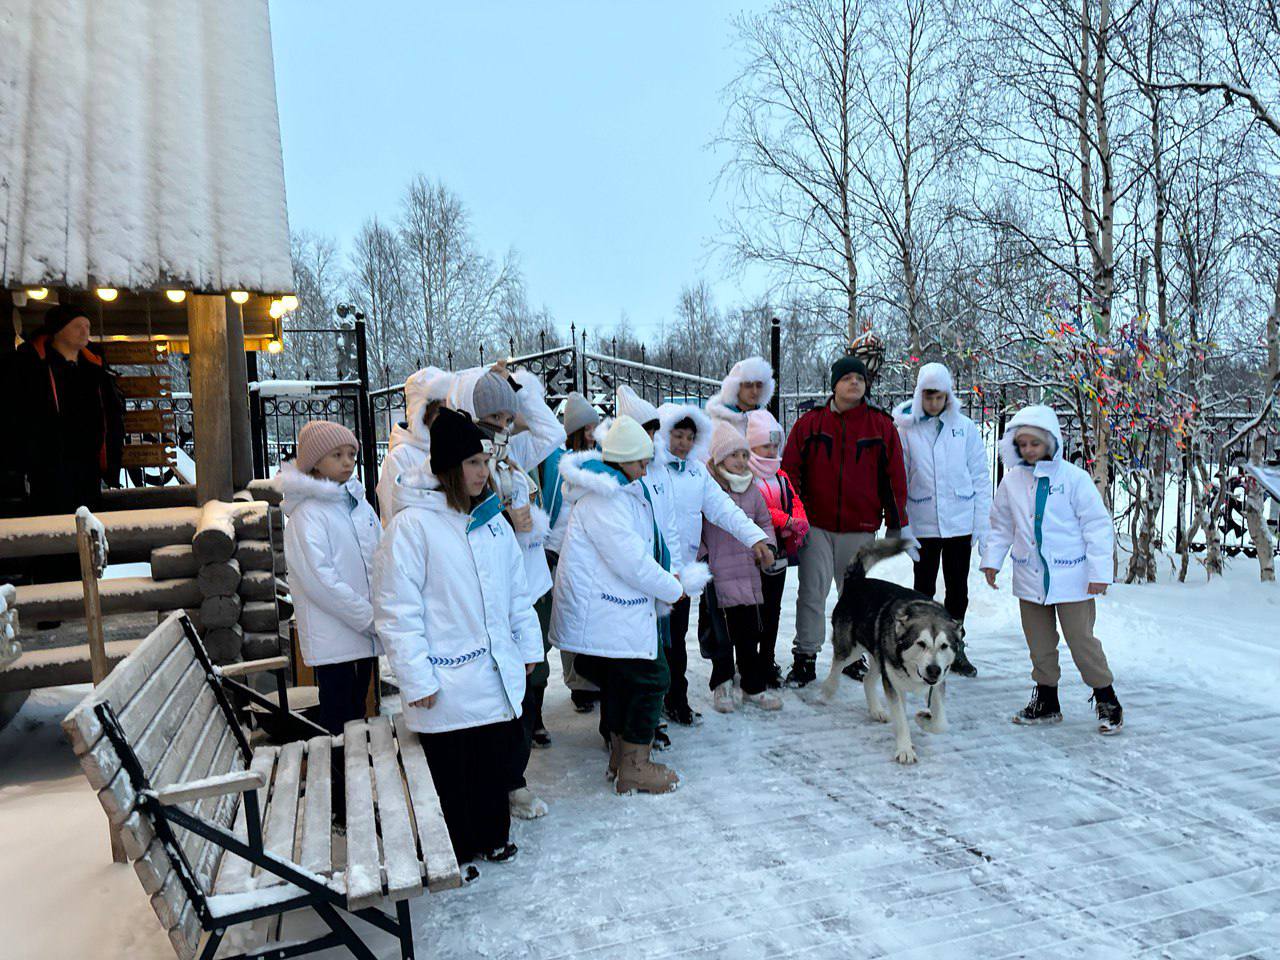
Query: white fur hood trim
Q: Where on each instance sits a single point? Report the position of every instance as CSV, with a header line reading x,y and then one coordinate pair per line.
x,y
1036,415
427,385
296,486
932,376
750,369
669,414
579,481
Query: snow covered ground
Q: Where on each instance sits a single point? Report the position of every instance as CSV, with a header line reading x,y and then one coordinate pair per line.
x,y
796,835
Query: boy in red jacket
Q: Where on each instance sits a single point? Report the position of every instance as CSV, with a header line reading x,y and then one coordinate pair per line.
x,y
845,459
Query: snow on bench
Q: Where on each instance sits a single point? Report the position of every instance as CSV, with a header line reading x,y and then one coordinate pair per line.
x,y
222,834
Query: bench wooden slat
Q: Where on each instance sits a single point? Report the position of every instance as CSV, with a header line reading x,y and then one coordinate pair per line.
x,y
433,834
317,815
105,761
399,848
235,872
282,816
364,869
121,686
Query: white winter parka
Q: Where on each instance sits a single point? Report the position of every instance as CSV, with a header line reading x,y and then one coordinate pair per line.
x,y
608,584
695,492
330,535
453,610
410,445
1050,519
948,483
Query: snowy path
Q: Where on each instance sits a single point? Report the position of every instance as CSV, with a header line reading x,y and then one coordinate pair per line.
x,y
795,835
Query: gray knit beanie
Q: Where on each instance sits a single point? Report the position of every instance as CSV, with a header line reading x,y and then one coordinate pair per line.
x,y
578,413
492,394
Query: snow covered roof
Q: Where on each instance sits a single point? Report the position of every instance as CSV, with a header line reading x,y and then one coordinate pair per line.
x,y
140,146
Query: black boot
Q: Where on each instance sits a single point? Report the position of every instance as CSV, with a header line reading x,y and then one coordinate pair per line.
x,y
856,670
1110,713
961,665
802,671
681,713
660,739
772,676
584,701
1043,707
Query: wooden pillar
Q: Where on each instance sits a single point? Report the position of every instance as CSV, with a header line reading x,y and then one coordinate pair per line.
x,y
210,405
238,391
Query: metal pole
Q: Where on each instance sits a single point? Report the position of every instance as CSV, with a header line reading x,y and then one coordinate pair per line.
x,y
775,355
364,414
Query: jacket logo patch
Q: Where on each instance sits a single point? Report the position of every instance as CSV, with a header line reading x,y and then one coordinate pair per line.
x,y
957,431
635,602
1057,488
495,528
456,661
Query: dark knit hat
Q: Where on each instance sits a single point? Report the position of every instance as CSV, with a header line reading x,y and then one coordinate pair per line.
x,y
454,438
57,317
847,365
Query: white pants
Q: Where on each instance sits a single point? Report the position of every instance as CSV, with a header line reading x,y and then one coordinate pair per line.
x,y
823,559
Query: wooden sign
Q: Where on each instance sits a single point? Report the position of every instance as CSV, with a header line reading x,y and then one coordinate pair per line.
x,y
148,455
143,388
148,421
123,353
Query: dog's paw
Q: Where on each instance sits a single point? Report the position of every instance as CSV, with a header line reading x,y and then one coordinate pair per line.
x,y
927,722
878,714
906,754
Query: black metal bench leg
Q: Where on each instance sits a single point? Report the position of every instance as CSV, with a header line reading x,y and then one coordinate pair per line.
x,y
211,945
406,929
343,930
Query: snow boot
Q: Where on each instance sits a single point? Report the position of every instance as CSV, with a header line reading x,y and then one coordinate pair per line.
x,y
638,773
857,670
541,738
772,676
1110,713
524,804
502,854
961,665
764,700
722,697
1042,708
660,739
803,671
584,701
682,714
615,757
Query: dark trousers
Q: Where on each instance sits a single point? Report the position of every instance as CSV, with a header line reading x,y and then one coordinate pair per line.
x,y
678,655
954,554
535,690
631,693
771,615
472,769
344,689
743,624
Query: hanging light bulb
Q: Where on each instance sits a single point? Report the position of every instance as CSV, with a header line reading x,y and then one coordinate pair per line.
x,y
239,296
276,310
107,294
176,296
37,293
274,346
289,302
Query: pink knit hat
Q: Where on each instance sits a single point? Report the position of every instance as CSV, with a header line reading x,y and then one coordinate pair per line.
x,y
762,428
319,438
726,439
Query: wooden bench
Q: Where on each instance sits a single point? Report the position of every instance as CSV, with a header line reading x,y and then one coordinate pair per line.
x,y
224,834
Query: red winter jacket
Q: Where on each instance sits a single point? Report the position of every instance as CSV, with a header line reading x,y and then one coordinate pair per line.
x,y
848,469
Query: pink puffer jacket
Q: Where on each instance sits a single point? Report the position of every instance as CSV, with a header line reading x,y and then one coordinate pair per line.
x,y
733,566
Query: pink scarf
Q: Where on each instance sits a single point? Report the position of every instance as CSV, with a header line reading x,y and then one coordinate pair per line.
x,y
765,468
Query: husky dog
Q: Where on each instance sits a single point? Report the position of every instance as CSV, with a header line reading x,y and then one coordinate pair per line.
x,y
910,641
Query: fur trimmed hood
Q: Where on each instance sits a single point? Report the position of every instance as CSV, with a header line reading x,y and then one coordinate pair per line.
x,y
1037,415
427,385
932,376
751,369
669,414
296,486
579,479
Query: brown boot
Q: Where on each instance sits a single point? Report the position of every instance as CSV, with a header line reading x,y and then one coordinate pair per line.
x,y
636,772
615,755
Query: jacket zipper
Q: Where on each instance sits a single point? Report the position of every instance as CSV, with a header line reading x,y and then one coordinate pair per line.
x,y
373,645
840,476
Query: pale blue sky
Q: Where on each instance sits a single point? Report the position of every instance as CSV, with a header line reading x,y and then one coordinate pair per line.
x,y
575,131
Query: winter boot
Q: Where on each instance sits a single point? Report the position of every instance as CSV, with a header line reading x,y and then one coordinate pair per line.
x,y
526,805
856,670
1042,708
660,739
502,854
961,665
772,676
1110,713
682,714
636,772
722,697
803,671
541,738
615,757
764,700
584,701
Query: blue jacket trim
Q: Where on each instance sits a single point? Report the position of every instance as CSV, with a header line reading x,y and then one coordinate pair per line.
x,y
485,511
637,601
457,661
599,466
1042,500
552,486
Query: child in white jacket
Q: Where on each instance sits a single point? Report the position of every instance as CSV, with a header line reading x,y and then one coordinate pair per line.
x,y
458,623
329,541
948,491
1049,517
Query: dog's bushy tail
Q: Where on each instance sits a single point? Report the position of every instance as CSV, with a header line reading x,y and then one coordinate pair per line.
x,y
870,555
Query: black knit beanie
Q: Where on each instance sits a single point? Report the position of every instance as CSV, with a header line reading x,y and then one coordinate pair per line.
x,y
454,438
847,365
57,317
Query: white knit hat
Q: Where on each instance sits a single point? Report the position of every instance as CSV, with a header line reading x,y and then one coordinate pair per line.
x,y
631,404
762,428
578,413
726,439
627,441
